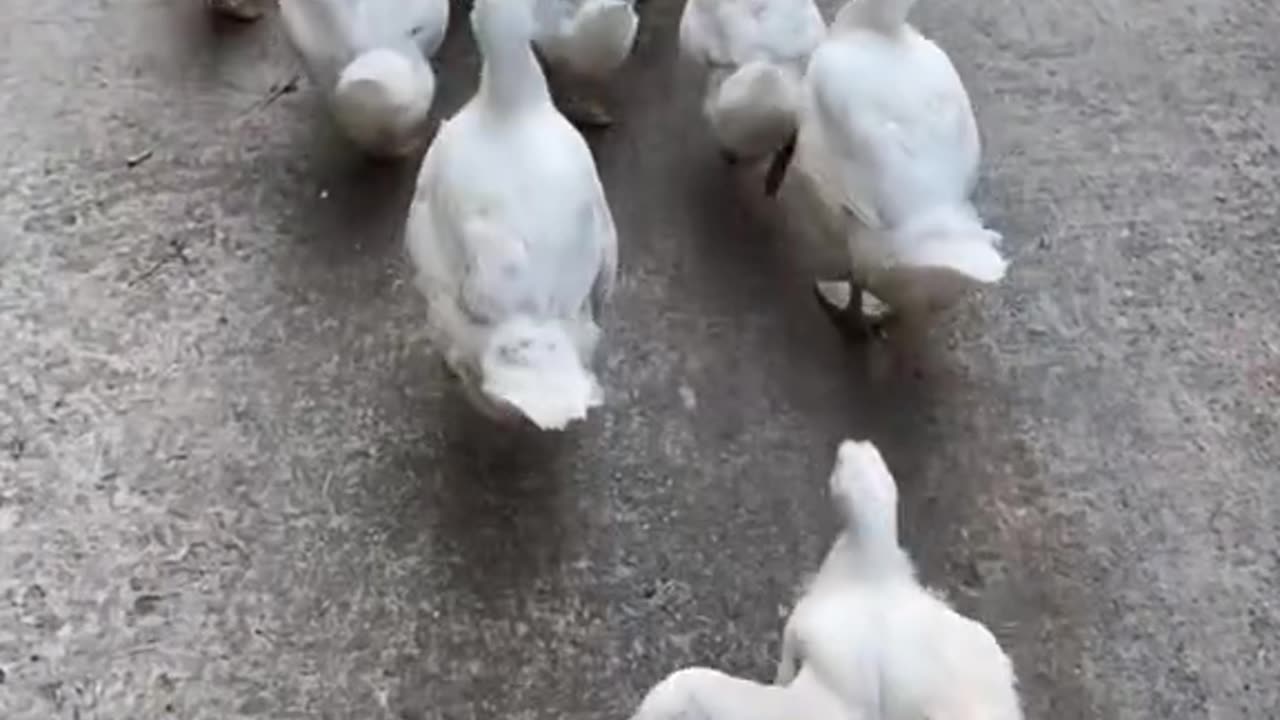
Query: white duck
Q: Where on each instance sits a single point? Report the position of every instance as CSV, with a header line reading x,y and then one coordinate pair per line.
x,y
583,41
512,237
754,54
887,647
888,148
370,58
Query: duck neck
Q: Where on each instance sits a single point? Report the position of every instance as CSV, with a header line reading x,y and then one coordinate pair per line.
x,y
887,16
511,76
513,80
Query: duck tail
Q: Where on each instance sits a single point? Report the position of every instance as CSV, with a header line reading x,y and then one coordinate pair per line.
x,y
380,93
604,32
945,254
536,367
754,111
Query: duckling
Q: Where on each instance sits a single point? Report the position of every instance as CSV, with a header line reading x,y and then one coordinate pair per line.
x,y
753,54
242,10
888,150
582,42
370,58
888,648
512,238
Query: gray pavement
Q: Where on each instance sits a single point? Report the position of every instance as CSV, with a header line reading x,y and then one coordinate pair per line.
x,y
235,483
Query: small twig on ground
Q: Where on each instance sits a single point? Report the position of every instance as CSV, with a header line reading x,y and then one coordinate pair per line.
x,y
281,89
137,159
149,272
177,251
277,91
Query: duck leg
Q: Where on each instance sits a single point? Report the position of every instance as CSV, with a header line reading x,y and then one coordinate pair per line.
x,y
858,314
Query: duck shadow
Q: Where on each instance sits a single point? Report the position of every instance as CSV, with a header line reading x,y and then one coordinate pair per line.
x,y
353,205
490,499
217,46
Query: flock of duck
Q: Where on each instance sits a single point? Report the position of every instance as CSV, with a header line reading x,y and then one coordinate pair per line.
x,y
516,252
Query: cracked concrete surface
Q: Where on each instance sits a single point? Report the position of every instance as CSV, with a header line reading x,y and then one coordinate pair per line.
x,y
236,484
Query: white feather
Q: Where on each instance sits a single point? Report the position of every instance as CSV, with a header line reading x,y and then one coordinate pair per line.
x,y
512,237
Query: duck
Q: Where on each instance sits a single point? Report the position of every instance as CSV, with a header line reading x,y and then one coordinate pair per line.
x,y
512,238
753,55
582,43
887,155
370,59
866,629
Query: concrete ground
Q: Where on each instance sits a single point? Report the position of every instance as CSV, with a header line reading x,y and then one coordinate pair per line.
x,y
235,483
